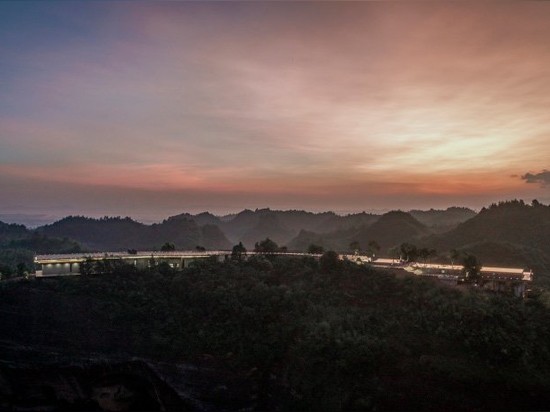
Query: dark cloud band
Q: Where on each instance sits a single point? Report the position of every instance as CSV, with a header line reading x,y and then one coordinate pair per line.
x,y
542,178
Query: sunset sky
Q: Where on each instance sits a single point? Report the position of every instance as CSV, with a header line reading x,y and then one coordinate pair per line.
x,y
153,108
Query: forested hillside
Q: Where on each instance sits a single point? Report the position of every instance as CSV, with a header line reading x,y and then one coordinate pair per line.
x,y
392,229
18,245
327,335
186,231
388,231
285,226
508,233
442,220
115,234
249,226
10,232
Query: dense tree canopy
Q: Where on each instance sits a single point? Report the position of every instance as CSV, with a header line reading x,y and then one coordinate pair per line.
x,y
315,249
168,247
266,246
333,335
472,268
336,335
238,251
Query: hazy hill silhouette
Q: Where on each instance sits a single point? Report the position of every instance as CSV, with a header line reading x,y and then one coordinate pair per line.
x,y
201,219
337,223
269,225
187,234
296,228
392,229
442,220
14,236
114,234
337,240
250,226
389,230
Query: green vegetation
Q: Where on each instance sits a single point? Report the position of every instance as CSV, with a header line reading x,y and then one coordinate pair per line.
x,y
15,262
411,253
443,219
266,246
510,233
314,249
238,252
168,247
373,248
355,246
331,334
117,234
472,265
472,268
18,246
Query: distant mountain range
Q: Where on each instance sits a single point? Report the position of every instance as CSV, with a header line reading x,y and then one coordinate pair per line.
x,y
509,233
293,228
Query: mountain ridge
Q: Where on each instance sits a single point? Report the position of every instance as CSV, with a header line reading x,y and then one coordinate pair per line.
x,y
509,233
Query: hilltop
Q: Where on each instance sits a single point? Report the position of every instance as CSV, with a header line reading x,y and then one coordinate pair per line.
x,y
120,234
388,230
289,227
186,231
443,220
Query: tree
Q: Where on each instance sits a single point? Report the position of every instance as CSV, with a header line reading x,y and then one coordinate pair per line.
x,y
329,261
395,252
5,271
164,268
266,246
373,248
87,267
454,255
22,269
472,269
101,266
314,249
425,253
238,251
355,246
168,247
409,252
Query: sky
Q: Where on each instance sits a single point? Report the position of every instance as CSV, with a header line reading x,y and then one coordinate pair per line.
x,y
154,108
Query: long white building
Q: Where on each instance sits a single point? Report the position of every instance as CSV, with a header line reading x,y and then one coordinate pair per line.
x,y
498,279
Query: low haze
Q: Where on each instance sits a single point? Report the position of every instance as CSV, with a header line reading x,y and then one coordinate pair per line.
x,y
149,109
